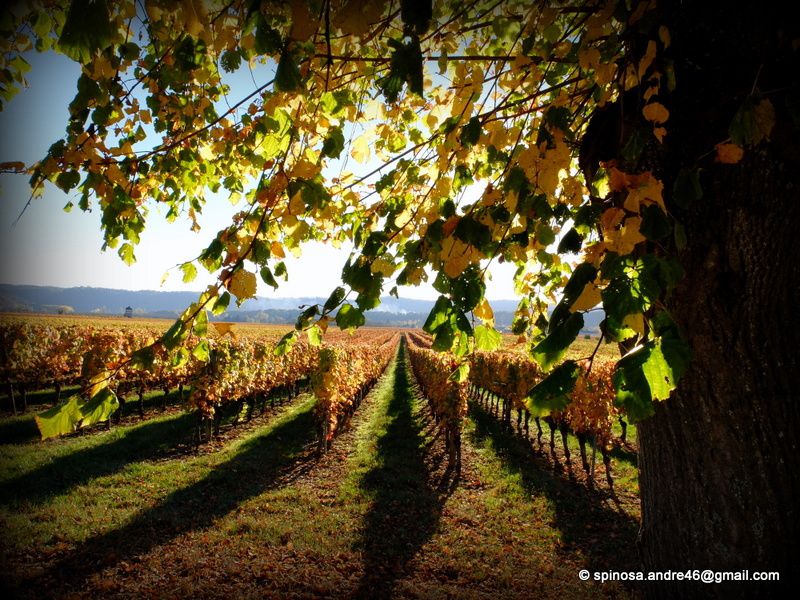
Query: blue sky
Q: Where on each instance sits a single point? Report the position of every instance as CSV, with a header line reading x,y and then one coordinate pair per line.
x,y
50,247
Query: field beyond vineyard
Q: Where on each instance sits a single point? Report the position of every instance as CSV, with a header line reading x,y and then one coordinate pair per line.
x,y
138,510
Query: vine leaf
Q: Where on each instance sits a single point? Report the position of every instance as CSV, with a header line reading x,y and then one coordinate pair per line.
x,y
88,28
552,392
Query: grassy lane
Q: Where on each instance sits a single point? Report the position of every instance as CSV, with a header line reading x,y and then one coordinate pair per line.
x,y
21,428
101,501
117,515
509,527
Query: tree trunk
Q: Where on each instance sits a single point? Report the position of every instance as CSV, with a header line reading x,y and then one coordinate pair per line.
x,y
719,460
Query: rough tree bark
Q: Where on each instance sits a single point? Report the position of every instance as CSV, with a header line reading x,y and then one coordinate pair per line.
x,y
720,467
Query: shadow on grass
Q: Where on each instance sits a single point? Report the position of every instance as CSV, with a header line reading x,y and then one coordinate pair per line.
x,y
625,454
606,537
261,463
22,429
406,509
18,430
37,400
142,442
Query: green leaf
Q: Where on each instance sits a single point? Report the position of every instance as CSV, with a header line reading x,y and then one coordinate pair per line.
x,y
60,419
68,180
359,277
98,408
461,347
287,75
266,276
88,28
519,325
550,350
634,147
306,316
189,272
687,188
285,344
650,372
349,317
143,358
334,143
405,66
230,60
467,289
748,125
655,224
473,232
552,392
416,14
314,334
268,40
201,351
440,313
125,252
221,305
334,299
680,236
180,357
487,338
571,242
583,274
461,374
200,328
443,337
471,132
174,335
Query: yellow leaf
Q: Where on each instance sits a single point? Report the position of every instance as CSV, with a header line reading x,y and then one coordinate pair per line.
x,y
305,169
296,204
484,311
635,322
242,284
656,112
589,58
102,68
589,298
224,328
194,17
323,324
764,118
360,148
611,218
630,232
663,35
277,250
593,253
383,266
304,23
457,256
356,17
647,59
729,154
12,167
622,240
97,382
206,152
644,189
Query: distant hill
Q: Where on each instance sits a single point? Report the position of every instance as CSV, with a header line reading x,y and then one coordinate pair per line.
x,y
392,312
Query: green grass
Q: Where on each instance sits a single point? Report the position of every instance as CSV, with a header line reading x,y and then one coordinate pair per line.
x,y
129,511
22,428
